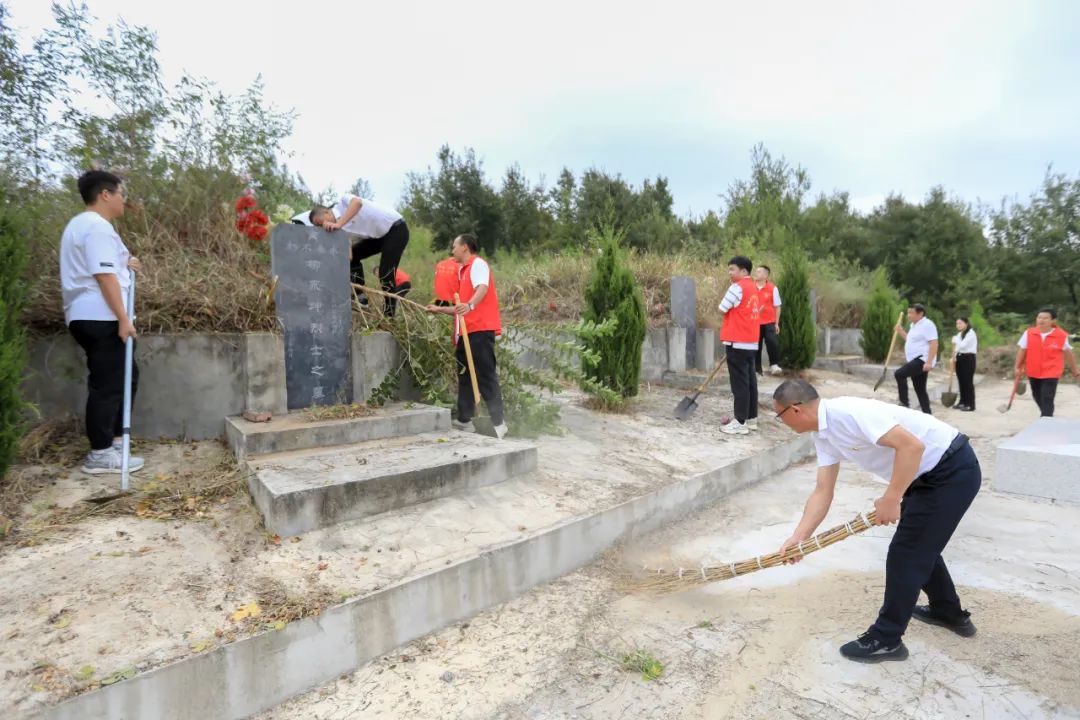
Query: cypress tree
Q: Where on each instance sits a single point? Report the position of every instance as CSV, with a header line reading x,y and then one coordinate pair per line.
x,y
798,336
612,291
879,319
13,258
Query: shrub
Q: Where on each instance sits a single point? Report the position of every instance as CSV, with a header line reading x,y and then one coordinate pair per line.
x,y
879,319
13,258
613,292
798,336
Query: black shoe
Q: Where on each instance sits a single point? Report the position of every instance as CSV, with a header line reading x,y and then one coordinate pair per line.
x,y
869,649
961,626
967,409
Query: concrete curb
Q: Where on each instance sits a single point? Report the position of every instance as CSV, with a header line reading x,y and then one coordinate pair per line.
x,y
260,672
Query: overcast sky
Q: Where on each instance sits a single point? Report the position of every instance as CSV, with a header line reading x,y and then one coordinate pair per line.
x,y
870,97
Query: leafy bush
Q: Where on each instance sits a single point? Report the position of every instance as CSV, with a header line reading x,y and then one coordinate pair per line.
x,y
798,336
879,320
13,258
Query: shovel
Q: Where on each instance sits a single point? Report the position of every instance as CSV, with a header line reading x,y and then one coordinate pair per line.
x,y
688,405
468,353
125,456
1021,388
1008,406
892,344
948,398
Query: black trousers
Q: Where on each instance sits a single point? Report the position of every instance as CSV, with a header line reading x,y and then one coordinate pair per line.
x,y
770,340
1043,391
931,510
743,382
391,246
482,345
913,370
965,376
105,361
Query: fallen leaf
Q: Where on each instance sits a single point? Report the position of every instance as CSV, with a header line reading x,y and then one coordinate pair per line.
x,y
62,623
361,561
275,539
85,672
125,674
200,646
522,528
218,633
294,539
246,611
190,503
280,625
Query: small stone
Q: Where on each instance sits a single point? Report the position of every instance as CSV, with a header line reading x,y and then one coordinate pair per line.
x,y
447,677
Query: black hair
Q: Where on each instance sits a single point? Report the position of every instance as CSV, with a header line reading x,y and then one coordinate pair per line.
x,y
794,391
93,182
1051,311
967,326
316,210
919,308
741,262
766,268
469,241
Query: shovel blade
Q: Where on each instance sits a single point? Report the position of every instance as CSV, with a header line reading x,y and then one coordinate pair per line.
x,y
1021,387
880,379
948,399
1004,408
685,408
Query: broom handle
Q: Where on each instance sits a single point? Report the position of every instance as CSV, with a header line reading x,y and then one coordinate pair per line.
x,y
129,362
468,353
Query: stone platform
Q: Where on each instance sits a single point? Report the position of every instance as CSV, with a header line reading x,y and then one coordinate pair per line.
x,y
1043,460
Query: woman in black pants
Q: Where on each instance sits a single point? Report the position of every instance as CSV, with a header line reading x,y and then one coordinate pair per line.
x,y
965,345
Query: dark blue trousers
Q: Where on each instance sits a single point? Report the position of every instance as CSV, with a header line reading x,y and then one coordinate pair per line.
x,y
932,508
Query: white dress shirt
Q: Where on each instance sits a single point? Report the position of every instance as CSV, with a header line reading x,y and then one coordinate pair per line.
x,y
963,345
372,221
849,429
918,341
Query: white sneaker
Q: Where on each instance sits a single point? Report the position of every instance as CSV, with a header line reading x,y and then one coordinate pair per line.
x,y
463,426
501,430
734,428
108,462
776,370
751,424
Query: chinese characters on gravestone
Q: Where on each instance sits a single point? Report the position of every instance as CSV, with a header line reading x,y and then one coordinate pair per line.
x,y
313,299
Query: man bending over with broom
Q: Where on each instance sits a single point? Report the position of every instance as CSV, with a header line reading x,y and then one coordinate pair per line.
x,y
933,476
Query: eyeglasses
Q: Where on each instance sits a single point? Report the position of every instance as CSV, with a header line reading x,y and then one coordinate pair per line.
x,y
781,413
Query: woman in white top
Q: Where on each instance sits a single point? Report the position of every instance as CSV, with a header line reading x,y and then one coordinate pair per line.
x,y
965,345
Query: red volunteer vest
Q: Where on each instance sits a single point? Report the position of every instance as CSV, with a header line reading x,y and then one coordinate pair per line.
x,y
1046,358
765,298
741,324
486,314
446,279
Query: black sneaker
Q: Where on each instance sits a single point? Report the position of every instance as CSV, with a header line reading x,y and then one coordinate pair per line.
x,y
869,649
962,626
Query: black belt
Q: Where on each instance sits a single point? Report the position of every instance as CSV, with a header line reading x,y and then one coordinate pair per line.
x,y
959,354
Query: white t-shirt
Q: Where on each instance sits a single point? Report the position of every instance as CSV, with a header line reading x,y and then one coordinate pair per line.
x,y
90,246
964,345
371,222
1023,341
479,272
849,428
918,341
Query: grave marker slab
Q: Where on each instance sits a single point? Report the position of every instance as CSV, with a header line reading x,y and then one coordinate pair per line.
x,y
684,312
313,299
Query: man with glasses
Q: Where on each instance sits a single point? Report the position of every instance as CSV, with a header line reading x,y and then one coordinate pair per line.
x,y
95,280
933,477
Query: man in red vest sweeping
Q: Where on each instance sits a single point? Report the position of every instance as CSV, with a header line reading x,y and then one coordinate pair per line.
x,y
740,334
770,320
1042,354
479,307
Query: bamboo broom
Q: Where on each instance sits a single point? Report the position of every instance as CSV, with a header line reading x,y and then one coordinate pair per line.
x,y
665,581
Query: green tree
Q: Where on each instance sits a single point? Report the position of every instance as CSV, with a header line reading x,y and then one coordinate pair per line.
x,y
613,292
525,220
987,333
879,319
455,199
798,336
13,258
766,208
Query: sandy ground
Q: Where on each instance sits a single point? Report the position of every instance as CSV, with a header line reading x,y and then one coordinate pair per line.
x,y
112,596
764,645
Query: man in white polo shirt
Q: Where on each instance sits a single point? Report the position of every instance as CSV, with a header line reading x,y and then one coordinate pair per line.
x,y
933,477
920,349
377,230
94,280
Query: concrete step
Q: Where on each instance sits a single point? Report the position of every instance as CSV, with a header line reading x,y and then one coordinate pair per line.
x,y
295,432
308,489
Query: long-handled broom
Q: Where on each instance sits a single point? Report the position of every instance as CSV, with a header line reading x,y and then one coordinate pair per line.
x,y
666,581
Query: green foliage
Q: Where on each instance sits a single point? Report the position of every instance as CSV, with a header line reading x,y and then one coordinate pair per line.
x,y
987,334
798,336
613,293
455,199
879,320
13,259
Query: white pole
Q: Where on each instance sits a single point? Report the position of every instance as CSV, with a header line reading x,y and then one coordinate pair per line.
x,y
129,359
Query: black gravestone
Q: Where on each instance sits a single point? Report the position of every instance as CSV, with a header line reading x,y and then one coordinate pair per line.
x,y
314,306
